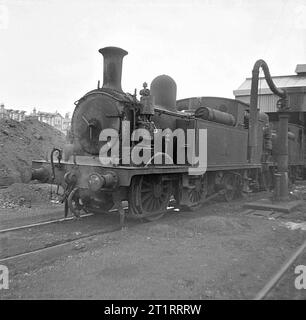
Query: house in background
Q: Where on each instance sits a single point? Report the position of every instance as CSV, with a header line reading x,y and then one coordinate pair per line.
x,y
54,119
66,124
18,115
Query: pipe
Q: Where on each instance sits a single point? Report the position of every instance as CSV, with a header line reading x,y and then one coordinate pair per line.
x,y
253,104
112,70
218,116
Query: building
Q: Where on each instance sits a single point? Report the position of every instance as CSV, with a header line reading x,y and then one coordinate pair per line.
x,y
18,115
54,119
66,123
33,115
294,84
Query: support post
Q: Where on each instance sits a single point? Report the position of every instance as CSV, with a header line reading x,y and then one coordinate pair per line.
x,y
282,157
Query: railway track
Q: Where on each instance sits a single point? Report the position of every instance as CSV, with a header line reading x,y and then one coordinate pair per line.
x,y
267,290
41,223
112,225
46,222
54,245
29,239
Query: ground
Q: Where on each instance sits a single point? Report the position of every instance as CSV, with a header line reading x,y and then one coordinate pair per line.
x,y
222,251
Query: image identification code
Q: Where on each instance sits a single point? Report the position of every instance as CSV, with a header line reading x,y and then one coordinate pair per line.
x,y
153,309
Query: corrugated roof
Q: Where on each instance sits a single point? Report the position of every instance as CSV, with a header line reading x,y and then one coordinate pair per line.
x,y
280,82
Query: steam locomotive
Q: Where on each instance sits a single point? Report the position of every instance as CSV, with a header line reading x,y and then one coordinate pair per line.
x,y
238,157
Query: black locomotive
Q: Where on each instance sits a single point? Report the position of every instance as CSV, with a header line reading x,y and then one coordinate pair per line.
x,y
238,158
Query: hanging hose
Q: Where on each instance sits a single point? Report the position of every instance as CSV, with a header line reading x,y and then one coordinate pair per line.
x,y
59,157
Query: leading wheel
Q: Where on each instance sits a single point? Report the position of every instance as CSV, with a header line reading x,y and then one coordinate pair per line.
x,y
149,197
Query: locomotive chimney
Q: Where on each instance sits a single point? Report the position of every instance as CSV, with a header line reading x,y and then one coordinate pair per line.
x,y
112,71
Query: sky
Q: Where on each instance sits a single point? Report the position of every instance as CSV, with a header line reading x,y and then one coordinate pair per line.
x,y
49,48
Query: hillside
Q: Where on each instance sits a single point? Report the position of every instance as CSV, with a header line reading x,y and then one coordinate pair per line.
x,y
22,142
